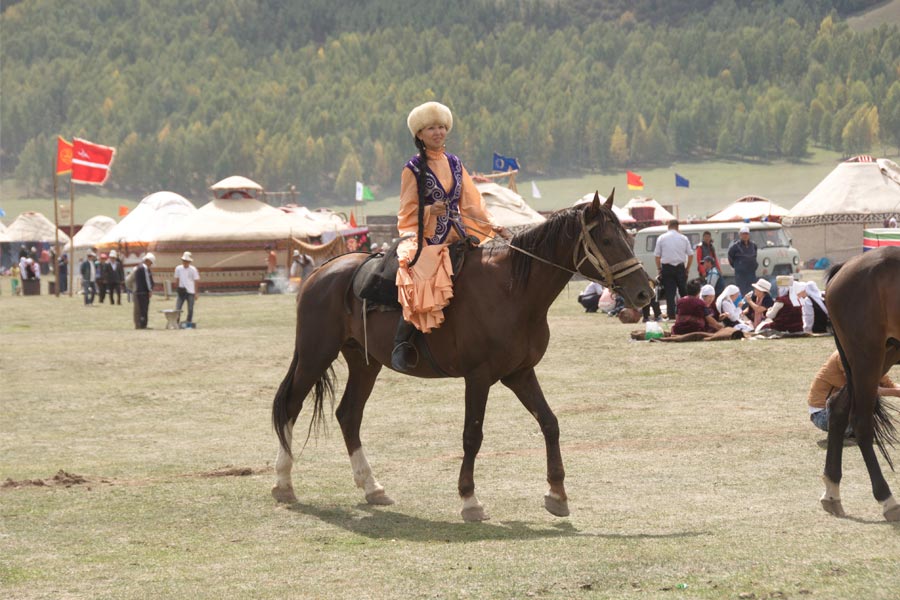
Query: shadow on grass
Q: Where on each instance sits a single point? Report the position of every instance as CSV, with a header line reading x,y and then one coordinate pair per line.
x,y
381,523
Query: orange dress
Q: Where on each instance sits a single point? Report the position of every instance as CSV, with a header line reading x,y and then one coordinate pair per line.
x,y
425,289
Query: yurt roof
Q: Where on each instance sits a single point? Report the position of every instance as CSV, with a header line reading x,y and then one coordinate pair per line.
x,y
659,213
226,220
33,227
507,208
155,214
852,188
312,223
749,207
93,231
623,215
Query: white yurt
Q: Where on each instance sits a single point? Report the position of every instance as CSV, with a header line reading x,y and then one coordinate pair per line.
x,y
640,209
89,235
829,222
750,208
507,208
157,213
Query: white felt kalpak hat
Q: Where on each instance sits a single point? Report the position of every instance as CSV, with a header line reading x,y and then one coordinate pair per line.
x,y
430,113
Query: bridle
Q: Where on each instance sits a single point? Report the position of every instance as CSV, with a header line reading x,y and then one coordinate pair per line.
x,y
593,255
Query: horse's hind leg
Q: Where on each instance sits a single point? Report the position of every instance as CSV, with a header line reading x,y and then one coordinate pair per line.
x,y
837,423
349,413
527,389
309,369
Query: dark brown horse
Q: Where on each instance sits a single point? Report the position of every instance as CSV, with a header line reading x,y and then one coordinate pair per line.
x,y
495,330
863,299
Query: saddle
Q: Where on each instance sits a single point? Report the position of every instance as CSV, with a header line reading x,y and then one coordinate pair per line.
x,y
375,278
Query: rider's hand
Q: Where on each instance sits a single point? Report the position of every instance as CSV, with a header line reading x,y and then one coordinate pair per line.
x,y
502,232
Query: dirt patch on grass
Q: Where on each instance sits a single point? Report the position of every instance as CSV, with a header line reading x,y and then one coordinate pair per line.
x,y
65,479
61,479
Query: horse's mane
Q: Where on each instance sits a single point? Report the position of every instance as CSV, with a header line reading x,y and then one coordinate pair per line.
x,y
832,271
541,240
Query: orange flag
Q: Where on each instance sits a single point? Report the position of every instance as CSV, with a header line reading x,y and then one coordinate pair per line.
x,y
352,220
635,182
63,156
123,210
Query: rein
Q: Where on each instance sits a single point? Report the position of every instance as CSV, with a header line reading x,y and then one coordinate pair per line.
x,y
592,254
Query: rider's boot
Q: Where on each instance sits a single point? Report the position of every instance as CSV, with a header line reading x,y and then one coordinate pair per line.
x,y
404,357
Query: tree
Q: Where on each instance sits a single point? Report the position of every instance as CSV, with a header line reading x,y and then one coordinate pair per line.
x,y
890,115
796,134
350,173
618,147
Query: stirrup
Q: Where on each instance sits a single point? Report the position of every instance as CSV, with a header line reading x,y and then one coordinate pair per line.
x,y
399,360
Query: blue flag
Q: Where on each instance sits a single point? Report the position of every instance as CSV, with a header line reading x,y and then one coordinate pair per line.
x,y
505,163
681,181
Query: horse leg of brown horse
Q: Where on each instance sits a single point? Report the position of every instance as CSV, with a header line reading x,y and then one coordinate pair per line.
x,y
360,381
476,400
527,389
314,357
838,419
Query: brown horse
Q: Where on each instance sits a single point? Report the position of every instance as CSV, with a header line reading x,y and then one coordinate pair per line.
x,y
495,330
863,298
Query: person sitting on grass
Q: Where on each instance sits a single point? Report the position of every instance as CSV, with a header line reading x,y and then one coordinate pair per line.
x,y
828,384
691,310
730,314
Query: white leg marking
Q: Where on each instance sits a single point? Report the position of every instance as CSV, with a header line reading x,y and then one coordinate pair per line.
x,y
471,502
832,490
283,462
889,503
362,473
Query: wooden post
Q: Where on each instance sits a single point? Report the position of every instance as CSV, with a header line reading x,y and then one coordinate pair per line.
x,y
56,222
71,234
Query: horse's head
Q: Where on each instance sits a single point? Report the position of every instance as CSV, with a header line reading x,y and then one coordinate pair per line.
x,y
605,253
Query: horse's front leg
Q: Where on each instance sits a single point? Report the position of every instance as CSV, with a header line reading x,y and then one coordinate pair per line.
x,y
527,389
476,401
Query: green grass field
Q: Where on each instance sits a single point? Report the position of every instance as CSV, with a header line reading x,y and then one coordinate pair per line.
x,y
692,469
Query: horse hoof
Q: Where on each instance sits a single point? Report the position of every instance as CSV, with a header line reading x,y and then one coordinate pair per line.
x,y
555,506
473,514
379,498
893,514
833,507
284,495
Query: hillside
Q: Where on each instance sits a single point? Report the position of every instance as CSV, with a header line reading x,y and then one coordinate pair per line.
x,y
316,95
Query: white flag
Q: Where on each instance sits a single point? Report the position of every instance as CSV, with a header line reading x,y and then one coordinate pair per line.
x,y
535,192
359,191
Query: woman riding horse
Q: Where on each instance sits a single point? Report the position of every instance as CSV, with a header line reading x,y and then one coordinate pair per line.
x,y
439,204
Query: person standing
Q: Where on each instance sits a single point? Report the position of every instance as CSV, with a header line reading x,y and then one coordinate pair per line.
x,y
707,248
143,289
101,270
186,277
62,274
88,278
114,278
674,256
742,256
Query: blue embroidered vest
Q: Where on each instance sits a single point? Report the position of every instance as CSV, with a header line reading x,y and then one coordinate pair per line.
x,y
435,192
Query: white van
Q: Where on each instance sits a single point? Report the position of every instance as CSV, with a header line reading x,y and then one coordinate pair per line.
x,y
775,254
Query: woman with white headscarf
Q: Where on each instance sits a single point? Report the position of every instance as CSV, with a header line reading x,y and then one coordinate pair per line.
x,y
815,314
786,314
727,307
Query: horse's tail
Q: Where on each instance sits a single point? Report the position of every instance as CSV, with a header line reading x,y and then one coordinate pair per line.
x,y
884,416
280,413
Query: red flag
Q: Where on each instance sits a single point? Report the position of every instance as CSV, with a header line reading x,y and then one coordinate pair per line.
x,y
352,220
123,210
63,156
91,162
634,181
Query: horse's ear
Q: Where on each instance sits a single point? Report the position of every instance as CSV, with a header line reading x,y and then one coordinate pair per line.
x,y
609,200
595,205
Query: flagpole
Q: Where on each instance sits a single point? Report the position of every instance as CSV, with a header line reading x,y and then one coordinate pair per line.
x,y
71,235
56,222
